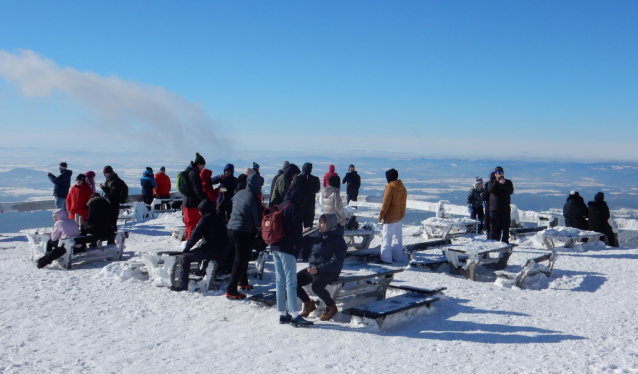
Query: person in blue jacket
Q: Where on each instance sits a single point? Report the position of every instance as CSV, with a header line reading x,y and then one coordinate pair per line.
x,y
148,183
326,261
62,184
228,188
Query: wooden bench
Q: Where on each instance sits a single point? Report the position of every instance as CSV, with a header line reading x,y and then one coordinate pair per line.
x,y
521,232
410,249
445,228
93,249
531,268
465,258
162,203
568,235
162,267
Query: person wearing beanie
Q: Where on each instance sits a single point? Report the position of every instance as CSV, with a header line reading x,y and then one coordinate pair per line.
x,y
331,202
353,181
163,184
475,202
499,191
148,184
114,190
575,211
285,166
227,187
79,196
61,185
256,168
90,179
242,179
330,173
599,215
392,212
283,184
195,195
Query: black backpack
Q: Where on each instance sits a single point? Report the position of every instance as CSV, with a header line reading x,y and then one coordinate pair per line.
x,y
123,192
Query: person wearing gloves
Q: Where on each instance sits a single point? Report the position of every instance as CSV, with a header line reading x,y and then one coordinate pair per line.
x,y
215,244
148,185
64,228
392,212
325,264
78,196
61,183
475,203
331,200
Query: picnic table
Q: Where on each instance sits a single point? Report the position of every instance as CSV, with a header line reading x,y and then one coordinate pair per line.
x,y
177,231
568,235
464,258
37,239
365,235
445,228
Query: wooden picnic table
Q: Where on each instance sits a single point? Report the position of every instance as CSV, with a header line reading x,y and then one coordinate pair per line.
x,y
366,238
464,258
568,235
445,228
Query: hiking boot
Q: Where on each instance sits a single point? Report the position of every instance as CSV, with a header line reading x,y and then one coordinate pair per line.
x,y
245,288
238,296
284,320
300,322
329,313
308,307
177,288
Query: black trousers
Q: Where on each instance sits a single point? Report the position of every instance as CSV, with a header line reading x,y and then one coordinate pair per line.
x,y
185,260
239,275
477,214
319,283
115,212
308,216
53,253
351,197
500,226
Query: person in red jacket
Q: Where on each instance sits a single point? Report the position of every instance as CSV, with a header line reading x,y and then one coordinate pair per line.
x,y
213,193
163,182
79,195
330,173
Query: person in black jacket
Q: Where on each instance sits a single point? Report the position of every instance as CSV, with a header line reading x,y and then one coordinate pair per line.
x,y
195,195
284,253
353,180
599,219
486,202
326,261
215,243
285,166
98,223
311,185
113,189
575,211
500,190
61,185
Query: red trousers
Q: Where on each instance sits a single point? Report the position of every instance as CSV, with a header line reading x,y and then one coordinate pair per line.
x,y
191,218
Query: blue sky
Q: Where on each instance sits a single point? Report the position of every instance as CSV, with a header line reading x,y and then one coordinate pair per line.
x,y
466,79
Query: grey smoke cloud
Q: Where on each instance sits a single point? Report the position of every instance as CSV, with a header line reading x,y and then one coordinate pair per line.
x,y
126,107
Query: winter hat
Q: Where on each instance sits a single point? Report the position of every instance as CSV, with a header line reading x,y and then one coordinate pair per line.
x,y
81,177
599,197
285,165
573,193
149,169
107,169
162,169
391,175
90,175
199,160
499,168
478,180
351,166
255,165
250,171
62,165
334,181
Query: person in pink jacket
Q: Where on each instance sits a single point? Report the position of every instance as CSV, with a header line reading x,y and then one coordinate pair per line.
x,y
64,228
330,173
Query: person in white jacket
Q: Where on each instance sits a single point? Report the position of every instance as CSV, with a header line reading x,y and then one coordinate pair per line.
x,y
332,202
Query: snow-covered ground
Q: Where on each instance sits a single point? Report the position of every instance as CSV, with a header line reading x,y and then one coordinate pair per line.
x,y
583,320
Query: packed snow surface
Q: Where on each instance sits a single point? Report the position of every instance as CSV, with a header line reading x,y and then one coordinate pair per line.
x,y
97,318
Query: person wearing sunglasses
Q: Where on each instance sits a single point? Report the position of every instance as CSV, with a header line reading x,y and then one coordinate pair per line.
x,y
499,190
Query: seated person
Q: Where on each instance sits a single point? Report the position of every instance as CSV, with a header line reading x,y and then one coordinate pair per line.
x,y
64,228
215,243
98,222
326,261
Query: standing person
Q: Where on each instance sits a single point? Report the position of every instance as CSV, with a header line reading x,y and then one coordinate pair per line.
x,y
311,188
148,185
195,195
330,173
227,188
500,190
285,166
599,219
392,212
486,202
215,245
242,179
475,203
79,195
283,184
331,201
353,181
244,222
90,179
163,184
284,253
256,168
325,264
575,211
115,190
213,194
61,185
64,228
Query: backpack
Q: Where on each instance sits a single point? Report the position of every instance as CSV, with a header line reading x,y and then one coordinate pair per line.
x,y
123,192
182,183
272,226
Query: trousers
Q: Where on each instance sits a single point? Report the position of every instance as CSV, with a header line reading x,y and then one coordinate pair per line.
x,y
391,252
319,283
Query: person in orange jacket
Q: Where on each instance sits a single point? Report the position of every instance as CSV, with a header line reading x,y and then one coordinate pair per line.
x,y
163,182
79,195
392,212
213,193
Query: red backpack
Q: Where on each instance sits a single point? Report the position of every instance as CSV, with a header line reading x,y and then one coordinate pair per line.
x,y
272,226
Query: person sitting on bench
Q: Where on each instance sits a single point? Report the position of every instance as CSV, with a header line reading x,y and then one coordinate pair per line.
x,y
215,243
326,261
64,228
98,222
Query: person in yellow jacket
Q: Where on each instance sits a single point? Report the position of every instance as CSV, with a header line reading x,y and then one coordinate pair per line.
x,y
392,212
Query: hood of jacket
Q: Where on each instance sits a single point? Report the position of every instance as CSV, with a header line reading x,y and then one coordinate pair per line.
x,y
291,170
326,192
207,206
230,167
206,175
332,221
60,213
249,171
147,173
255,183
331,169
576,199
95,199
306,169
597,204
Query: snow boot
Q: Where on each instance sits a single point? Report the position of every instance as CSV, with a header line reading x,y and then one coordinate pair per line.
x,y
329,313
308,307
284,320
300,322
238,296
248,287
177,288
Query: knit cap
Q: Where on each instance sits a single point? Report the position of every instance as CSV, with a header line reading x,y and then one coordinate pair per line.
x,y
107,169
62,165
478,180
199,159
255,165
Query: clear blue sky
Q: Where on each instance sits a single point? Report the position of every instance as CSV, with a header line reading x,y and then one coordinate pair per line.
x,y
463,78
